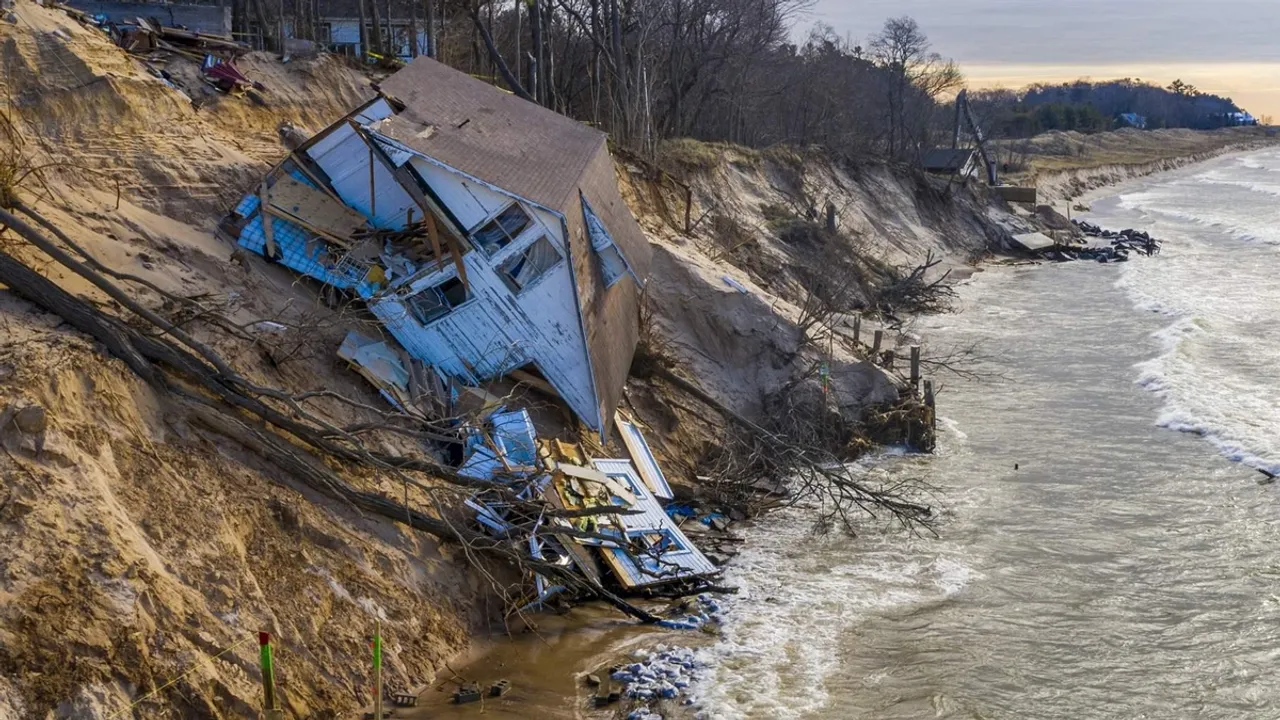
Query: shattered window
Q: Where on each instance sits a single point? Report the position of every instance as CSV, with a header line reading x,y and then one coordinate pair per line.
x,y
521,269
658,542
502,230
612,265
435,302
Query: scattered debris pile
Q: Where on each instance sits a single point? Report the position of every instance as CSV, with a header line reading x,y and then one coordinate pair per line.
x,y
661,674
1121,245
157,44
604,515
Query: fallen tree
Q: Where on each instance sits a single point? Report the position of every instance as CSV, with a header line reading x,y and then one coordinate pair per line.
x,y
271,422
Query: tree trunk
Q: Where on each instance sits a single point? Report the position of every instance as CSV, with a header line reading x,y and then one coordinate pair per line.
x,y
496,57
375,36
535,28
413,29
431,29
392,48
364,31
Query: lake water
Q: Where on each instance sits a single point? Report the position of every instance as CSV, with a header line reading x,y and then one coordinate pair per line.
x,y
1128,567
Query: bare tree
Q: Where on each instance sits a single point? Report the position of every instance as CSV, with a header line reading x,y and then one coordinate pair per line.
x,y
916,76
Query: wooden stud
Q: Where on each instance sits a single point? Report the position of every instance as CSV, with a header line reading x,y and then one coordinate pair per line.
x,y
889,357
915,368
264,206
875,346
434,235
857,329
373,193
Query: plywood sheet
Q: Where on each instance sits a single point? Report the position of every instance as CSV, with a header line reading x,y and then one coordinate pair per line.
x,y
316,209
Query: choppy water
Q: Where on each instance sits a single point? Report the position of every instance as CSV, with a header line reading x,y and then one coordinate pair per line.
x,y
1129,568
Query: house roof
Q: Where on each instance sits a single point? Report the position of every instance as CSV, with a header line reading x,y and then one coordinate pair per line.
x,y
947,159
489,133
549,159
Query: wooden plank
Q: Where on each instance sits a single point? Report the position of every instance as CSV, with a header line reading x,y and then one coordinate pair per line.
x,y
642,457
534,382
457,261
373,191
343,242
303,163
264,204
434,234
316,210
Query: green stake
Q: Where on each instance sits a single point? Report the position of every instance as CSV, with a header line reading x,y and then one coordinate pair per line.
x,y
268,673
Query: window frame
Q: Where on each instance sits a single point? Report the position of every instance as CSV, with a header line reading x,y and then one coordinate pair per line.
x,y
676,545
515,255
435,287
511,239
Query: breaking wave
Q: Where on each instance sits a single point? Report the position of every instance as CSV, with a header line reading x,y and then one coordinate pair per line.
x,y
799,595
1216,371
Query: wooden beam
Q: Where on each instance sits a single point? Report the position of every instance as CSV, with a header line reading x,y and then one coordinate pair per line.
x,y
264,207
535,382
457,238
434,234
303,163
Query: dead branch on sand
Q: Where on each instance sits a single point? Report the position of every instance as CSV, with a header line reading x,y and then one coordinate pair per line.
x,y
278,425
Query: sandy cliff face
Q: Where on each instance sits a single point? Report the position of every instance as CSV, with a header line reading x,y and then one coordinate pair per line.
x,y
140,551
729,290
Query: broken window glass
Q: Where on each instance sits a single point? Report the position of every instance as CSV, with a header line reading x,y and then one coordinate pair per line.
x,y
612,265
521,269
657,542
502,230
435,302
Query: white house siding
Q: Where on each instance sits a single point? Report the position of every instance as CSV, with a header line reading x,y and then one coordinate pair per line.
x,y
652,517
345,158
470,202
495,332
343,31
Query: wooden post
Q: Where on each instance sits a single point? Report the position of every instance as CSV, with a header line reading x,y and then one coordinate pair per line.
x,y
929,403
875,346
377,669
915,368
857,329
688,208
889,357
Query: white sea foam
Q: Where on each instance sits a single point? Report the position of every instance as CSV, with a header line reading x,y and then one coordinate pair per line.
x,y
799,595
1217,370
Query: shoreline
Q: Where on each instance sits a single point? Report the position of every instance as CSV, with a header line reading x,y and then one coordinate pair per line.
x,y
587,638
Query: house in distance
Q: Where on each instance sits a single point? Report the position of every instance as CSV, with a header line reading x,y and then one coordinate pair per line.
x,y
485,232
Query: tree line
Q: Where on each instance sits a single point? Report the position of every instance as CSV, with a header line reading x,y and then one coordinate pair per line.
x,y
726,70
1088,107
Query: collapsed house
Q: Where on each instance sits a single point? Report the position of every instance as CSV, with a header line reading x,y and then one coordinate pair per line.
x,y
485,232
488,237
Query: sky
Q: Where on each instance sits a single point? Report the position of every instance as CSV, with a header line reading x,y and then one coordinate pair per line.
x,y
1226,47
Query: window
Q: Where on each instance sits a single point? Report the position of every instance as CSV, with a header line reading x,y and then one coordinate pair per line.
x,y
502,230
658,542
625,480
521,269
612,264
435,302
